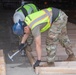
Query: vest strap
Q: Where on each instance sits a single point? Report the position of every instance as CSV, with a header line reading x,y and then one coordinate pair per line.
x,y
24,11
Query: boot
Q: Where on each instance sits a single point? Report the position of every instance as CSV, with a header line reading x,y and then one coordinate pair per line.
x,y
48,64
71,57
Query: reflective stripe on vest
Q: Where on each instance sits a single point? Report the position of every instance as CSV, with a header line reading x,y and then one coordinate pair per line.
x,y
45,16
47,26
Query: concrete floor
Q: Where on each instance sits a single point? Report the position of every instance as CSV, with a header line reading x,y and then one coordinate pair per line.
x,y
8,41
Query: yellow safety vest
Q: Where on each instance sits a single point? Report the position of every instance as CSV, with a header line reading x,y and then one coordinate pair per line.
x,y
39,17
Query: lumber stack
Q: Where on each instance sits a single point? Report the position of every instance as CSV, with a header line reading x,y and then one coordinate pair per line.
x,y
61,66
2,63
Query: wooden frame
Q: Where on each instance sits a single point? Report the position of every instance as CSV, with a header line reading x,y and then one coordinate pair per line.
x,y
2,64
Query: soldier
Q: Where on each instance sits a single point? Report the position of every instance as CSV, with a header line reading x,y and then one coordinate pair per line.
x,y
20,15
54,20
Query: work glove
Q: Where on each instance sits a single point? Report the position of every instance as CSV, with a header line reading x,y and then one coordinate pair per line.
x,y
22,46
36,63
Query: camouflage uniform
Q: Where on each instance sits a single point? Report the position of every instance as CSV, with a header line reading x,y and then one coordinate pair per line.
x,y
58,32
29,39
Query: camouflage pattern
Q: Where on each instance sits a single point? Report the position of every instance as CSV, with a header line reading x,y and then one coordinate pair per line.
x,y
29,39
58,33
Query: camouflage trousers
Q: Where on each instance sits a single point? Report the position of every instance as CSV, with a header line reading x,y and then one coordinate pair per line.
x,y
58,33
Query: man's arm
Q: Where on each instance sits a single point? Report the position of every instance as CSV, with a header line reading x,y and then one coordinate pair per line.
x,y
24,38
38,47
38,50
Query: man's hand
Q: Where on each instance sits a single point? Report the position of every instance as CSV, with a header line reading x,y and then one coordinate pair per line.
x,y
22,46
36,63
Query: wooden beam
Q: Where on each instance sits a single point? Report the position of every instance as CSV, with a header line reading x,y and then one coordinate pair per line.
x,y
2,64
30,57
55,70
67,67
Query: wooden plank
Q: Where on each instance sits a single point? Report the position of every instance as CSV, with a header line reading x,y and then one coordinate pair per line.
x,y
30,57
55,70
1,53
2,64
60,67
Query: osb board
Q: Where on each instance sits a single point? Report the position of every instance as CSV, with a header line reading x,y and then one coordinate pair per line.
x,y
2,64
